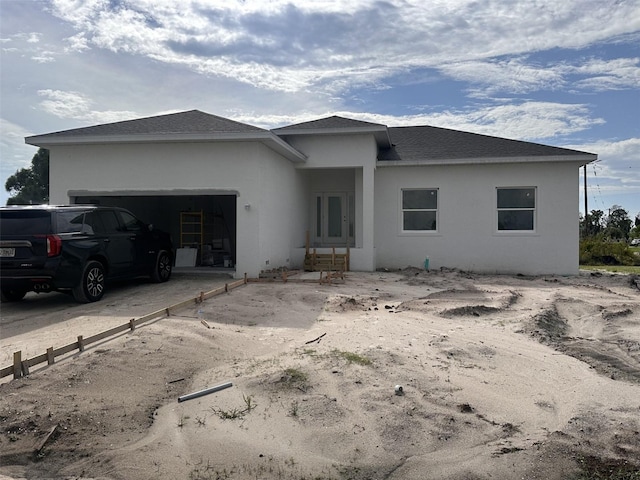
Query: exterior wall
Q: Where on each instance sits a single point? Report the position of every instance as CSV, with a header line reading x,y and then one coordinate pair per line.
x,y
467,237
246,168
270,233
347,151
326,151
282,210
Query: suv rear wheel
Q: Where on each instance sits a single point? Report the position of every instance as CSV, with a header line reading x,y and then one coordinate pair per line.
x,y
92,283
12,294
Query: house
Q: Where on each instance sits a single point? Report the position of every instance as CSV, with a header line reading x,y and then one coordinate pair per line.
x,y
247,196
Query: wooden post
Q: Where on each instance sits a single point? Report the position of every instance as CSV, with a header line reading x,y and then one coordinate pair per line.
x,y
132,324
50,358
348,260
245,278
80,343
226,287
17,364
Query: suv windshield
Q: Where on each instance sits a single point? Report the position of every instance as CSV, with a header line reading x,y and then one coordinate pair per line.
x,y
25,222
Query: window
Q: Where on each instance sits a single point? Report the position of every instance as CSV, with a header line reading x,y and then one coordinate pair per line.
x,y
70,222
131,223
109,221
419,210
516,208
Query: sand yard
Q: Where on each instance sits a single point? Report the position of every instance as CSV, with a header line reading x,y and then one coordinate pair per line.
x,y
502,377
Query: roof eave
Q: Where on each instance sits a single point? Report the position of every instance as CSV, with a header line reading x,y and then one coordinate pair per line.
x,y
269,139
581,159
381,134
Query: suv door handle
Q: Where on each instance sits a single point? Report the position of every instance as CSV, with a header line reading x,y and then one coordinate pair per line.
x,y
106,240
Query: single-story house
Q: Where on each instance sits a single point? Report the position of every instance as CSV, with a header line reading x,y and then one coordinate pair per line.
x,y
254,198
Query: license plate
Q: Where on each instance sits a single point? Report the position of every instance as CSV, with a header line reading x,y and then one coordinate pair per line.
x,y
7,252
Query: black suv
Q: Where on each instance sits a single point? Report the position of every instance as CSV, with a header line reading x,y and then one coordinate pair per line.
x,y
77,248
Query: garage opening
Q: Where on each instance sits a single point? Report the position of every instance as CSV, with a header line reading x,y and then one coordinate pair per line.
x,y
206,223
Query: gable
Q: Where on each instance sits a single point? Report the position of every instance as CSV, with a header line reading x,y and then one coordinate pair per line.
x,y
338,126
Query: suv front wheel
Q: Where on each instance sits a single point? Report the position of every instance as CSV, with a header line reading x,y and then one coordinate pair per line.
x,y
92,283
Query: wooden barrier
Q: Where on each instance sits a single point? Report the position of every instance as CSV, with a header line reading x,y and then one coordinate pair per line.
x,y
21,367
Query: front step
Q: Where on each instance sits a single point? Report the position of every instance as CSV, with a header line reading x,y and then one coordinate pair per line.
x,y
326,262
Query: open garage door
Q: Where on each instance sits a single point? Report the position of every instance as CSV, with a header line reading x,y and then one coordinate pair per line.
x,y
203,221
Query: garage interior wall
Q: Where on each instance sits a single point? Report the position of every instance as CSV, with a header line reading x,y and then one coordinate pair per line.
x,y
163,211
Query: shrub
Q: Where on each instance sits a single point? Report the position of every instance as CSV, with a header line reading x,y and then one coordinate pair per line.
x,y
595,251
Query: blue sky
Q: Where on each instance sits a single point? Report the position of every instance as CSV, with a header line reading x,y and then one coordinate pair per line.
x,y
560,73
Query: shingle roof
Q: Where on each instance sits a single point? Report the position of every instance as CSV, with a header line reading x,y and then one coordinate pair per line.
x,y
338,126
434,143
190,122
330,123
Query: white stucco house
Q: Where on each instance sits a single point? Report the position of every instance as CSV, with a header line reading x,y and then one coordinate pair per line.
x,y
396,196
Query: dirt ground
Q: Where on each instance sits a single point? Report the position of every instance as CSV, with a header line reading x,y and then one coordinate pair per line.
x,y
502,377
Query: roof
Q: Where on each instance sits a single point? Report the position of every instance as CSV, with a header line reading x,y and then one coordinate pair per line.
x,y
190,122
336,125
427,144
328,123
397,145
189,126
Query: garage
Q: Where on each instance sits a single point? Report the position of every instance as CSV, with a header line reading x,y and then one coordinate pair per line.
x,y
200,220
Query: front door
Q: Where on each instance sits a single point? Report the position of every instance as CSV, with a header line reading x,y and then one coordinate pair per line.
x,y
333,222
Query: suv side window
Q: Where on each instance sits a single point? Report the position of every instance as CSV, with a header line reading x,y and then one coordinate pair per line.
x,y
92,223
131,223
109,221
70,222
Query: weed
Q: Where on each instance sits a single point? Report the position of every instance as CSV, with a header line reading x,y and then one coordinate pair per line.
x,y
183,420
235,413
294,377
293,411
593,468
351,357
248,401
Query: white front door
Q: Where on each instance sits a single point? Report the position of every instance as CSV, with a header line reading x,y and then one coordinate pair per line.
x,y
332,222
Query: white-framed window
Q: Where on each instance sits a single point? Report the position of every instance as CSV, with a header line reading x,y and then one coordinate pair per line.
x,y
419,209
516,208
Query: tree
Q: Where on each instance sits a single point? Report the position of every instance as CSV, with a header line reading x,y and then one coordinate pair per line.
x,y
618,223
30,185
594,223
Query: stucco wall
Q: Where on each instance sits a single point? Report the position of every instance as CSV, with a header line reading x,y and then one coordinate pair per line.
x,y
467,237
341,151
281,211
347,151
260,177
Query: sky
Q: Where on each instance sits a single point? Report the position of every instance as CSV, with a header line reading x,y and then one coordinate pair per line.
x,y
563,73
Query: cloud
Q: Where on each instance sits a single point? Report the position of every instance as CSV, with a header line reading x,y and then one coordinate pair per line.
x,y
619,161
520,76
13,151
327,44
74,105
